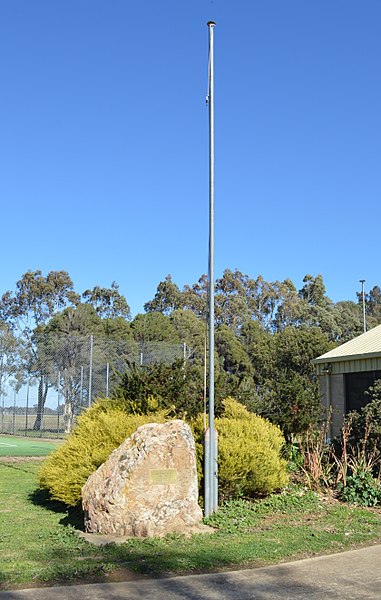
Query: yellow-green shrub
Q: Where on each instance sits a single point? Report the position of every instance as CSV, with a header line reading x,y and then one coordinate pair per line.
x,y
249,461
249,452
98,431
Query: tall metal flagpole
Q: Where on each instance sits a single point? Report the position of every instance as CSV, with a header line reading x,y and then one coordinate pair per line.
x,y
211,483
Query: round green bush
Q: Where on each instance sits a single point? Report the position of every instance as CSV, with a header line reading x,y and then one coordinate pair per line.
x,y
98,431
249,452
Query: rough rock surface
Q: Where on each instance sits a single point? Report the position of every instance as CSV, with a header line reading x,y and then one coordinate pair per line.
x,y
147,487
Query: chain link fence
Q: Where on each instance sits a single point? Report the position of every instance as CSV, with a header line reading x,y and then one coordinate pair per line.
x,y
63,374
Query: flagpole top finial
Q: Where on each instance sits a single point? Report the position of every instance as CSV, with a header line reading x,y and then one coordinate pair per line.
x,y
211,23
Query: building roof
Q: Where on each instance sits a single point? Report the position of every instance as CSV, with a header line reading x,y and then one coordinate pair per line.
x,y
366,345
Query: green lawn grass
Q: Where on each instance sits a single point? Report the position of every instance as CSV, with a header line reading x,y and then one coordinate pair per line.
x,y
39,541
16,446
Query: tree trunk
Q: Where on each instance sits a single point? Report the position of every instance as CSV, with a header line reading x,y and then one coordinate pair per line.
x,y
43,387
68,414
71,402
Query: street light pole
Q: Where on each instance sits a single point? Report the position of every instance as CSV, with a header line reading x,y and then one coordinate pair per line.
x,y
362,281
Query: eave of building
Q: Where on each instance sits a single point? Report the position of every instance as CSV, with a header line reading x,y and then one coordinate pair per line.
x,y
356,365
331,359
363,353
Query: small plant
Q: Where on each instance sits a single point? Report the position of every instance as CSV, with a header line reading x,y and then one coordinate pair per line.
x,y
359,457
315,464
293,455
361,489
244,515
234,515
339,454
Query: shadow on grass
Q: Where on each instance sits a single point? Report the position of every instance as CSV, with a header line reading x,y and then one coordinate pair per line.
x,y
73,515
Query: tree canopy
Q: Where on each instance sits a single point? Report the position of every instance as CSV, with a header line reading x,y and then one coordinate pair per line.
x,y
266,334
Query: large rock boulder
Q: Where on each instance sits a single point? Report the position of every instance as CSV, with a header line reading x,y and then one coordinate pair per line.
x,y
147,487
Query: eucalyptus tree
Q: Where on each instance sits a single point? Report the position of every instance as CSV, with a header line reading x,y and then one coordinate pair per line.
x,y
195,297
349,320
236,370
290,307
11,353
167,298
109,303
318,309
231,306
27,310
191,331
156,337
66,345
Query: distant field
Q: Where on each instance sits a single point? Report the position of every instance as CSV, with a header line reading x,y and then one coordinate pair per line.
x,y
17,446
19,425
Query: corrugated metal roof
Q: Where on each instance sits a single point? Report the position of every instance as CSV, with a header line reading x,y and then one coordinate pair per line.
x,y
366,345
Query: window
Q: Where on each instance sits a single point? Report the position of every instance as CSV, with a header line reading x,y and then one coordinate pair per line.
x,y
355,386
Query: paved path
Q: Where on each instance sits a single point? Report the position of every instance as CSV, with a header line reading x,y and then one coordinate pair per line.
x,y
353,575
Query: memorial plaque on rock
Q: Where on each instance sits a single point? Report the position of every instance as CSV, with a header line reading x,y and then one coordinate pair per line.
x,y
163,476
148,486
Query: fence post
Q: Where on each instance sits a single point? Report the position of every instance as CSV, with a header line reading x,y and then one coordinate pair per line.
x,y
58,403
91,369
14,412
81,390
2,414
107,378
27,409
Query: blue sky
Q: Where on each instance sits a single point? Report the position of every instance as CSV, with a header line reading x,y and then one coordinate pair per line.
x,y
104,141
